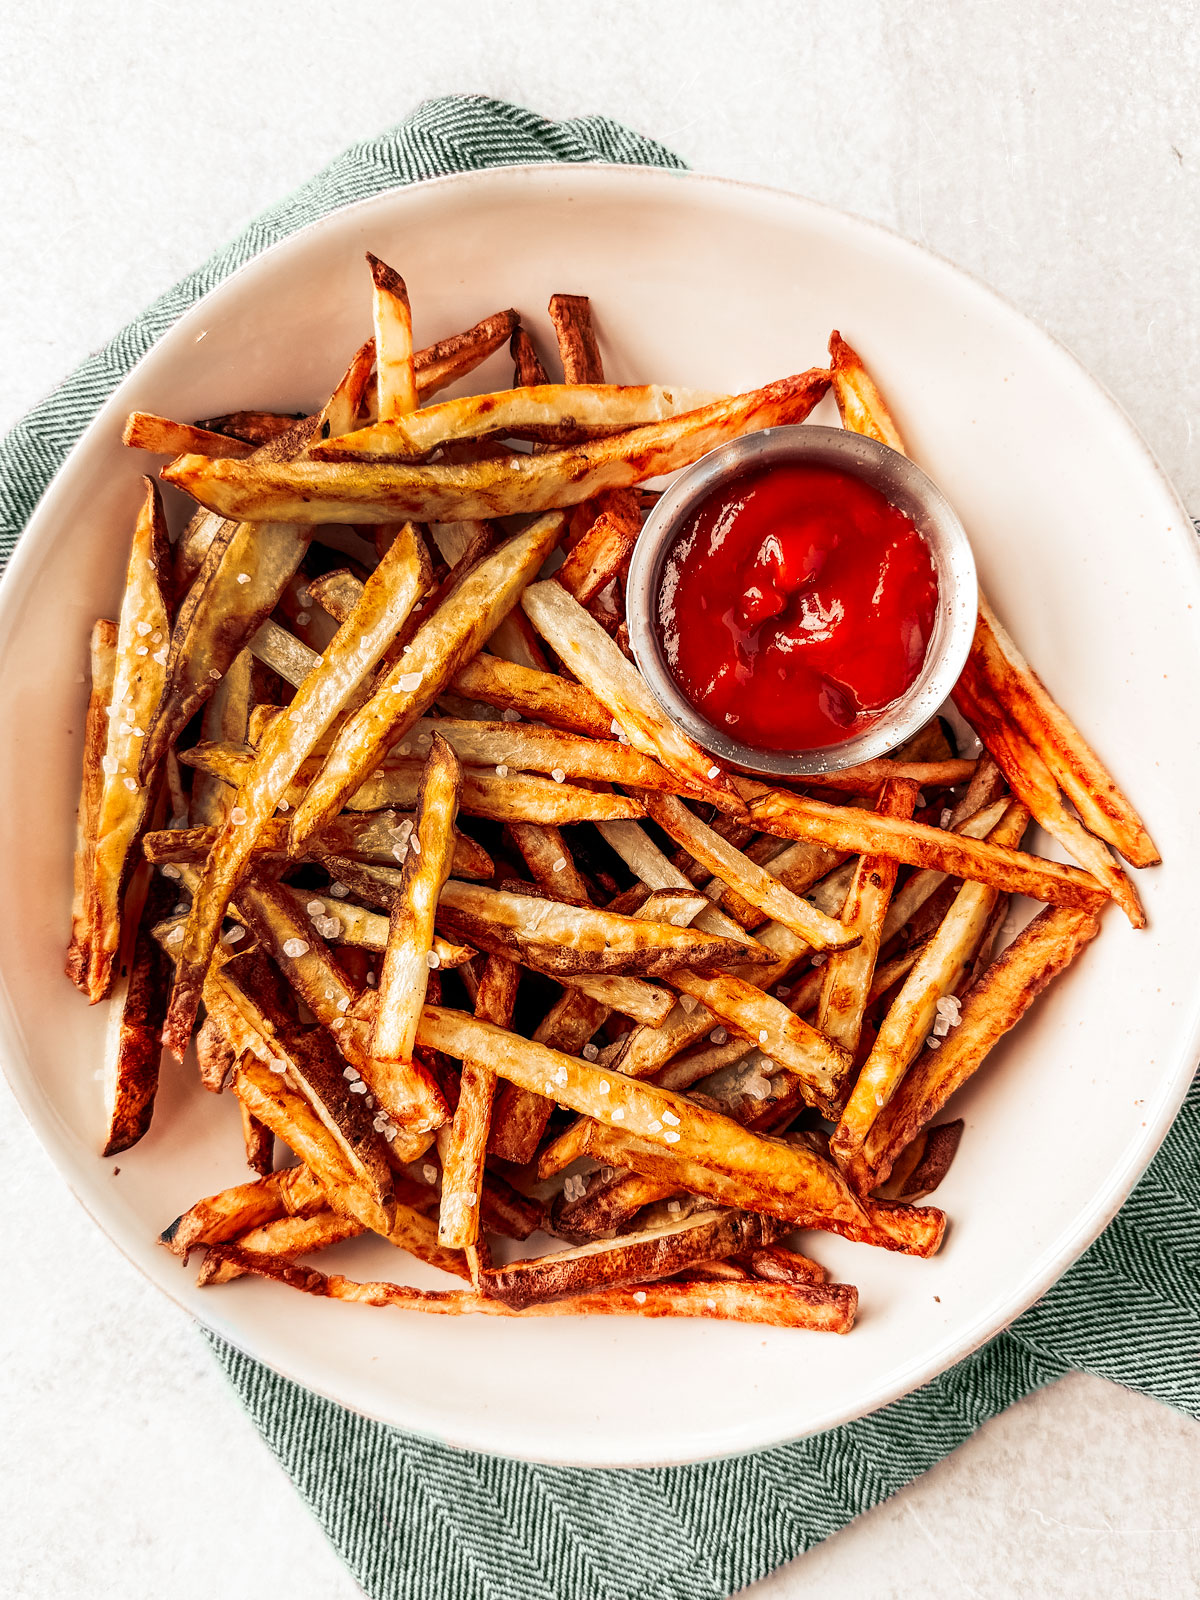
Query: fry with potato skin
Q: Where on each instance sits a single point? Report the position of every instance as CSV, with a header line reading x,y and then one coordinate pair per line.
x,y
919,845
540,696
860,404
103,658
159,435
386,600
395,374
453,634
133,1044
290,1192
401,1084
445,362
846,977
522,747
599,556
464,1151
937,973
311,491
578,349
997,1002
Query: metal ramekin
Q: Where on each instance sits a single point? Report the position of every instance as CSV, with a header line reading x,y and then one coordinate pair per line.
x,y
899,481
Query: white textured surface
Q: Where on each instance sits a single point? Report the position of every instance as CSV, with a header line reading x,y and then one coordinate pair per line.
x,y
1051,150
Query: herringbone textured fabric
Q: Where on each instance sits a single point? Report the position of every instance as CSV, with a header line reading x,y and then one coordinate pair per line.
x,y
414,1519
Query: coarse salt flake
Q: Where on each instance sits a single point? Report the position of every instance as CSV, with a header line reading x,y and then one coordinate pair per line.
x,y
618,1114
640,1296
237,816
934,1044
671,1137
214,674
762,1036
284,805
656,1126
175,935
714,772
819,959
408,681
590,1052
234,935
131,785
277,1064
719,1036
502,771
941,1027
109,764
339,890
143,628
944,819
429,1172
711,1304
243,577
604,1086
358,1088
559,775
295,948
161,656
414,843
170,870
673,1207
303,618
344,1003
670,1118
142,650
350,1073
315,908
510,715
560,865
432,959
327,927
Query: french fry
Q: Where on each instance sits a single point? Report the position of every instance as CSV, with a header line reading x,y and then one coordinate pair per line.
x,y
292,1191
286,1237
754,883
226,716
528,370
464,1150
540,696
280,650
775,1263
647,862
124,802
310,491
401,1083
599,555
868,776
1031,779
920,888
860,404
137,1005
666,1246
451,636
997,1002
847,974
395,374
559,412
453,358
259,1142
255,427
788,1181
161,436
582,644
578,351
921,1165
548,857
386,600
919,845
557,936
936,974
103,658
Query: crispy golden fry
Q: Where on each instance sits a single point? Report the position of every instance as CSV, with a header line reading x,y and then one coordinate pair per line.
x,y
386,600
859,402
540,696
226,717
819,1062
290,1117
582,644
402,1085
784,1180
259,1142
867,777
605,547
137,1005
647,862
560,412
922,846
452,635
754,883
997,1002
290,1192
548,857
350,924
521,747
936,974
924,884
441,364
395,374
103,656
464,1149
847,974
123,807
312,491
820,1307
665,1246
145,431
280,650
632,997
1032,780
286,1237
556,936
578,350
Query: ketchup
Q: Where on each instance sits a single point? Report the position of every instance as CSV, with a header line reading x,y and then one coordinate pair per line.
x,y
796,605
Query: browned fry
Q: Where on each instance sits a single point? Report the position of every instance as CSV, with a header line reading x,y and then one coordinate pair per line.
x,y
1032,780
921,887
921,1165
559,937
464,1150
558,413
452,635
528,369
936,974
559,1153
386,600
647,862
137,1006
441,364
859,402
126,796
922,846
292,1191
997,1002
103,654
580,642
284,1237
666,1245
698,1148
226,717
578,351
145,431
776,1263
375,492
394,372
867,777
754,883
546,854
216,1052
846,979
824,1307
256,427
603,550
522,747
540,696
259,1142
401,1084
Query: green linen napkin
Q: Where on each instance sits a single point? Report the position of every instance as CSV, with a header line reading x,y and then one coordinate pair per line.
x,y
411,1517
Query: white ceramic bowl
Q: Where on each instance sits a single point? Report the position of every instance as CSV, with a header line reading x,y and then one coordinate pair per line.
x,y
721,286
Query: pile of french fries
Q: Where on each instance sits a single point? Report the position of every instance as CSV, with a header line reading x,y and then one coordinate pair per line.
x,y
379,816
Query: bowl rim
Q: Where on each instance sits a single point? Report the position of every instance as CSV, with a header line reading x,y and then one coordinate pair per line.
x,y
905,486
